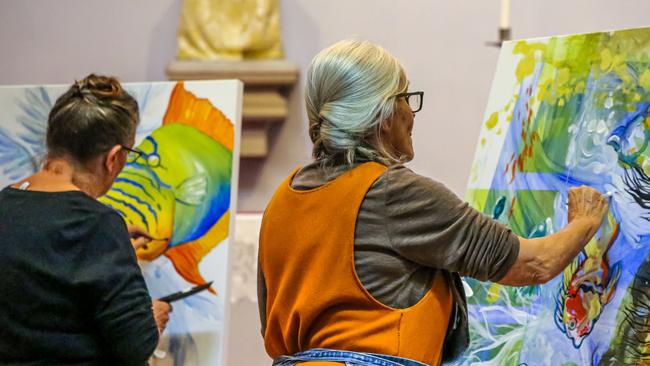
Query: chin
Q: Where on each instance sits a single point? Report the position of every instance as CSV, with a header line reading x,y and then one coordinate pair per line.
x,y
408,156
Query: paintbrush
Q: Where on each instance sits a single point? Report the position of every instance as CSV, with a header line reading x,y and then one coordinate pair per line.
x,y
608,194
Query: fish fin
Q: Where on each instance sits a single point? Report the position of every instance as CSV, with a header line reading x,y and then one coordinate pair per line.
x,y
593,304
559,311
217,233
192,190
608,234
612,239
592,249
186,257
186,108
569,271
185,262
610,283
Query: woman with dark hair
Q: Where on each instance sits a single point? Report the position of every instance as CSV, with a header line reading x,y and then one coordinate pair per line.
x,y
360,258
71,289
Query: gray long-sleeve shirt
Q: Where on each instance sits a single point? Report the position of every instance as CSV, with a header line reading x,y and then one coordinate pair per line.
x,y
409,227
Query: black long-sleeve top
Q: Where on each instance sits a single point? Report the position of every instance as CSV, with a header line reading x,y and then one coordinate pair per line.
x,y
71,291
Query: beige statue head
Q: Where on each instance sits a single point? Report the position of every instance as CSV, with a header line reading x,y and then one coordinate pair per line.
x,y
229,30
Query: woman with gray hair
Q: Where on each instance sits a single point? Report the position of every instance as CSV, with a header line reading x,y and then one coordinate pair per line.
x,y
360,258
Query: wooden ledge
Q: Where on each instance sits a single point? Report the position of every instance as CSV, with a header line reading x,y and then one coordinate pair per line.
x,y
251,72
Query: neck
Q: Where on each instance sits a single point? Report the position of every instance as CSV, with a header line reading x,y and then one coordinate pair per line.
x,y
59,172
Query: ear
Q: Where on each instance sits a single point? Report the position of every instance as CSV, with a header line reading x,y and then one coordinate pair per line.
x,y
387,125
112,160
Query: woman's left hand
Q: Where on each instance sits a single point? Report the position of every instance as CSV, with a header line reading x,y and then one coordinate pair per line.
x,y
161,312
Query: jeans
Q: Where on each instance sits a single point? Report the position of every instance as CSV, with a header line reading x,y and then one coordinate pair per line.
x,y
347,357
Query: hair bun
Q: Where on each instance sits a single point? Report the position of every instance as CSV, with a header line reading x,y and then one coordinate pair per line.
x,y
101,86
93,116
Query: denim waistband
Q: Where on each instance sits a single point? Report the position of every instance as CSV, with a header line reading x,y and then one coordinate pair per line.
x,y
348,357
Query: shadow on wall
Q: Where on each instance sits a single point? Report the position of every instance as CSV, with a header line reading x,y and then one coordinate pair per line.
x,y
162,44
289,144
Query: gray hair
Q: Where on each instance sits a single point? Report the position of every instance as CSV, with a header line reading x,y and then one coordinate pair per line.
x,y
348,97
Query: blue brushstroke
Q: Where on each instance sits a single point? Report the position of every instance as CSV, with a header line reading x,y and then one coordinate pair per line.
x,y
138,200
133,208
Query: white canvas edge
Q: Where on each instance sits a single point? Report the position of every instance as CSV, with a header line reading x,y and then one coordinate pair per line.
x,y
493,98
233,213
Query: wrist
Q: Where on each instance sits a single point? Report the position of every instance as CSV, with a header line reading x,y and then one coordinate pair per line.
x,y
585,225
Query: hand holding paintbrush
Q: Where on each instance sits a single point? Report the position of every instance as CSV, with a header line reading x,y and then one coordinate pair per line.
x,y
140,237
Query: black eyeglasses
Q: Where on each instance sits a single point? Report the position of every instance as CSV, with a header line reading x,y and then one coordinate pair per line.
x,y
133,154
414,99
152,160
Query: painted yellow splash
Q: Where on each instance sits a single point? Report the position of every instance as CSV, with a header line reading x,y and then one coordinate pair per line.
x,y
526,65
606,59
563,75
493,293
623,73
525,68
492,121
644,80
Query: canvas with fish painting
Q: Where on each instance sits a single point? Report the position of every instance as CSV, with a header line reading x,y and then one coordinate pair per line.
x,y
567,111
181,188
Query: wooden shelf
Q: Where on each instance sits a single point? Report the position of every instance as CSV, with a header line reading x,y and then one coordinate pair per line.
x,y
251,72
254,143
266,84
264,106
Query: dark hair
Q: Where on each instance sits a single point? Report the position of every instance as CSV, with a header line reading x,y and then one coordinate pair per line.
x,y
94,115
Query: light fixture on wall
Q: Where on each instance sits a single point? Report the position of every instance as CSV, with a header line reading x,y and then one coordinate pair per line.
x,y
505,32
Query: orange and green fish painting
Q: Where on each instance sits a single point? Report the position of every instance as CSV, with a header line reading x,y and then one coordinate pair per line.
x,y
563,112
178,189
177,185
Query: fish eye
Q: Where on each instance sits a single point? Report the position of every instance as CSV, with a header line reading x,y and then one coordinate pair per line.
x,y
572,325
153,160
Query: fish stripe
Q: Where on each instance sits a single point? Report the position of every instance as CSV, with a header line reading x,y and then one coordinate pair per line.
x,y
147,177
134,183
138,200
154,143
156,183
128,205
119,212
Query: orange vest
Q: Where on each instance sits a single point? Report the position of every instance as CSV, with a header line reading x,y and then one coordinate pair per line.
x,y
314,297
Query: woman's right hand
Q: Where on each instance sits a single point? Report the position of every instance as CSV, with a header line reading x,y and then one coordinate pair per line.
x,y
139,236
586,202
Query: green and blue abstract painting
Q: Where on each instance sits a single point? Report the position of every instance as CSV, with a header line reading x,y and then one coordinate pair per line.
x,y
563,112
